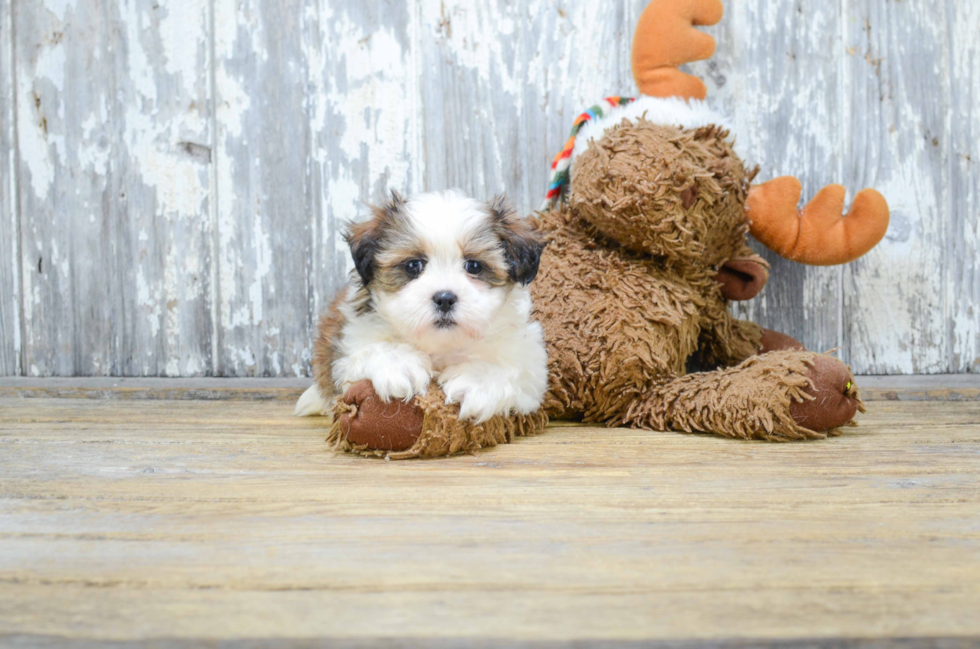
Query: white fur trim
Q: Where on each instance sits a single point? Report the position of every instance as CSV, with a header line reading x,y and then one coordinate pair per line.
x,y
666,111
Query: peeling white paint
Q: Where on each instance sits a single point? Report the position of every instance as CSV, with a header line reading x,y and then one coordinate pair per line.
x,y
41,151
481,94
895,297
59,7
374,69
149,303
141,71
263,264
963,233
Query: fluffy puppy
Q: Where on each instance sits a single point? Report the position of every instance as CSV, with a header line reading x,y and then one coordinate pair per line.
x,y
439,292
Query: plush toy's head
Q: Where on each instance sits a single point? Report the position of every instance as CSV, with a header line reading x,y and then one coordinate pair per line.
x,y
676,194
665,162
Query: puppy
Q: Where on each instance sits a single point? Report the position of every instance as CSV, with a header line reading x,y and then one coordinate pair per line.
x,y
439,291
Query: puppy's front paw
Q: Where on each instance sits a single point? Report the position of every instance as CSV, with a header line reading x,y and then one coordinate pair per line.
x,y
402,377
480,397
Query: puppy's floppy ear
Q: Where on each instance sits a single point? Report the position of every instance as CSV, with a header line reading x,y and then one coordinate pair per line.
x,y
522,244
364,240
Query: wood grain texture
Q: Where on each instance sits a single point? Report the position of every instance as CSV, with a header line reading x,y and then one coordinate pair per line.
x,y
192,520
364,105
931,387
963,231
472,94
897,90
9,240
263,215
113,135
786,79
575,53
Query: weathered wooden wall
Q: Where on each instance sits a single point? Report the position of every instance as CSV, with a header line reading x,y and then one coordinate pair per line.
x,y
175,172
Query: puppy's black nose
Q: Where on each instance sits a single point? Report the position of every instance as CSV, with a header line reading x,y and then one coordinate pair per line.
x,y
445,301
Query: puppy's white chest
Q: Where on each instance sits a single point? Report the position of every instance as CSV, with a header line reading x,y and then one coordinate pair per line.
x,y
440,361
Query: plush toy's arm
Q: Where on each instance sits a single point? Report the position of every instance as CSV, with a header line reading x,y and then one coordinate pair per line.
x,y
425,427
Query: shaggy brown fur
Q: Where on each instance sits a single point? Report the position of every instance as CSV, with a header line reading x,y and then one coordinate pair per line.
x,y
325,346
627,292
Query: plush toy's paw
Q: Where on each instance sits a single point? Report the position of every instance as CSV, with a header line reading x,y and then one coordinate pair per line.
x,y
377,425
835,399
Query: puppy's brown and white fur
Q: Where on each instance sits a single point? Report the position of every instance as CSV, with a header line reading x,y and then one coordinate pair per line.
x,y
440,292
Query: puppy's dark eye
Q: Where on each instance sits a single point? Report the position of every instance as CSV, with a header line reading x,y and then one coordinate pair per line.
x,y
473,267
414,267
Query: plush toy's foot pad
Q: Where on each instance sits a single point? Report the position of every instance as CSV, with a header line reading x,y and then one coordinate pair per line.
x,y
835,399
773,341
371,424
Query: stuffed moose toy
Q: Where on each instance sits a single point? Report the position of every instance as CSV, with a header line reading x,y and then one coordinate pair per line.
x,y
646,220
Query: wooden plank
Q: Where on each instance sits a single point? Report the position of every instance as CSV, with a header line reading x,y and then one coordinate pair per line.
x,y
43,641
213,521
9,226
315,117
263,211
497,110
920,387
60,84
156,389
963,233
896,77
574,54
365,115
113,119
473,90
932,387
786,82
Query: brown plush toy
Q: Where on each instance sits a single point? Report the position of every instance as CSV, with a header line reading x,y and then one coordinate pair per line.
x,y
646,220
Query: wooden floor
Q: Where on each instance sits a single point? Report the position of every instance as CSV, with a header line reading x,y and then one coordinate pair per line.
x,y
228,520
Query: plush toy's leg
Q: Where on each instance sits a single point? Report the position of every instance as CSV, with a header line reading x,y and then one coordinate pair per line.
x,y
779,396
426,427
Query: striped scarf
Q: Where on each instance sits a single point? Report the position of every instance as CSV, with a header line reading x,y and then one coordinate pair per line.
x,y
558,181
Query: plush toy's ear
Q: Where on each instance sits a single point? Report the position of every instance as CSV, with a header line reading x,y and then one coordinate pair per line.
x,y
665,38
364,239
522,244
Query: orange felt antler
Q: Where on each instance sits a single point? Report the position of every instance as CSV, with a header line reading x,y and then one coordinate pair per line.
x,y
816,235
665,38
